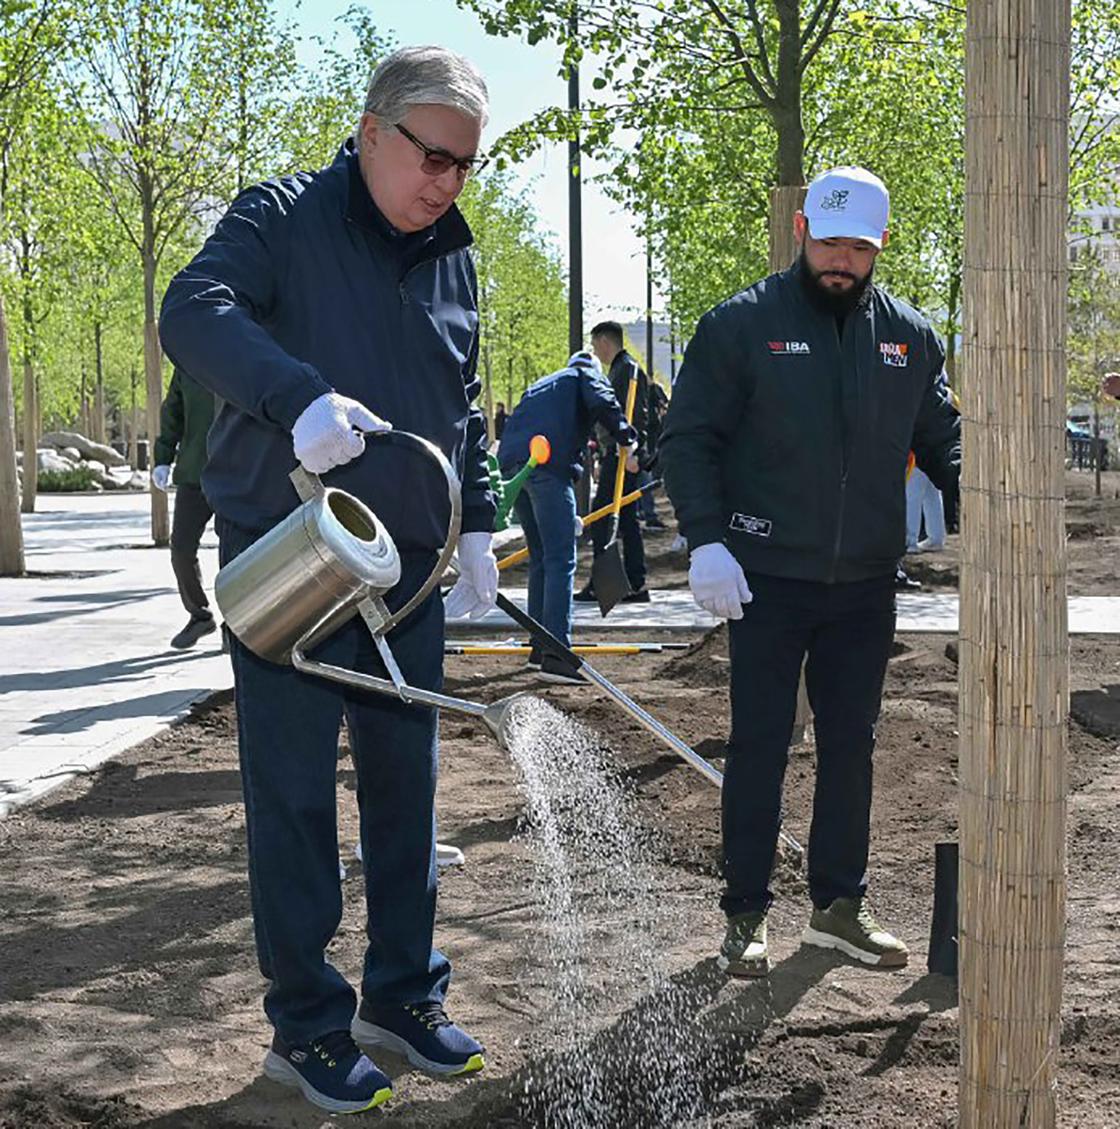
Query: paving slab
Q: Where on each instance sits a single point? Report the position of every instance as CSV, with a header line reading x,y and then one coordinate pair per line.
x,y
86,670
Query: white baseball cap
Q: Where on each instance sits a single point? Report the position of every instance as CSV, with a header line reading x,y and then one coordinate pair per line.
x,y
848,203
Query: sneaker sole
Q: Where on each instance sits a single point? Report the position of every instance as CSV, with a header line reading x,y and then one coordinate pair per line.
x,y
878,960
280,1070
370,1035
744,969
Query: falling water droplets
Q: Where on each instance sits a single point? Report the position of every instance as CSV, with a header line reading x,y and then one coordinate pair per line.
x,y
619,1042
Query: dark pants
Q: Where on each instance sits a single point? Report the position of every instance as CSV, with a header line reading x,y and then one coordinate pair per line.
x,y
846,630
288,727
546,508
192,512
629,531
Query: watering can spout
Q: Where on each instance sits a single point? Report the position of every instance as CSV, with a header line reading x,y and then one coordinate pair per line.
x,y
498,716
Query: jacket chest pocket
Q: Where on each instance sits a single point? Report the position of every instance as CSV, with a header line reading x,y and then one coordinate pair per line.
x,y
438,303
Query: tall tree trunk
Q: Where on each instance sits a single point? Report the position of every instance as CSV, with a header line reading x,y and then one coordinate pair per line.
x,y
953,325
11,529
153,387
133,420
99,387
1096,449
786,113
489,391
30,434
1014,644
83,405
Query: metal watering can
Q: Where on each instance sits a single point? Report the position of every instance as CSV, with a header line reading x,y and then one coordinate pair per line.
x,y
328,560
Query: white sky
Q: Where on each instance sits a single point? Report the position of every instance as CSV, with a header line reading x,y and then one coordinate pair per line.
x,y
522,80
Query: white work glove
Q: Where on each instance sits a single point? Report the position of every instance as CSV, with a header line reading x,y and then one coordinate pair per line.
x,y
477,587
717,581
161,476
578,527
324,437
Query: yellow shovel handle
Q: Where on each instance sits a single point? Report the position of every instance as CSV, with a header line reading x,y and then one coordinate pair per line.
x,y
595,515
623,454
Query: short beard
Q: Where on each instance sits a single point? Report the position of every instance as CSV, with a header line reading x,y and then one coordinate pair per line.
x,y
837,303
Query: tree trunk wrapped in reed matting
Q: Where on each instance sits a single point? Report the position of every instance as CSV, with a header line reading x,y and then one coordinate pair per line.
x,y
1013,647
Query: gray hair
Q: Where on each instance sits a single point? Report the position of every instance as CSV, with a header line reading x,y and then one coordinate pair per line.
x,y
426,76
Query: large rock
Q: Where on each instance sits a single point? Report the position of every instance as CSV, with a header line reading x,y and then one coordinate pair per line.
x,y
52,461
88,448
97,467
71,453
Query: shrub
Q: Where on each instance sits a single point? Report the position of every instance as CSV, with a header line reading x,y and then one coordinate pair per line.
x,y
80,478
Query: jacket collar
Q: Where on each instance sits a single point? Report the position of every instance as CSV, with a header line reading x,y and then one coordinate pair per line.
x,y
449,233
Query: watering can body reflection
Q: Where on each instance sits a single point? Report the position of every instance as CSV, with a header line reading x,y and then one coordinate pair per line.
x,y
330,559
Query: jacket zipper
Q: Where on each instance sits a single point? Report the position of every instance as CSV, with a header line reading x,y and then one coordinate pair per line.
x,y
843,471
423,263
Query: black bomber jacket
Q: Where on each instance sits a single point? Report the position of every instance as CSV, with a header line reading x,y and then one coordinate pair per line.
x,y
788,440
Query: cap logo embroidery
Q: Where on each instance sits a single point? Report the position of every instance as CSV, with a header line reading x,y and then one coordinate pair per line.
x,y
896,354
837,201
788,348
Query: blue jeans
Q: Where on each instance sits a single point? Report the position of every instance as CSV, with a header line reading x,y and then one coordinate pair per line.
x,y
288,727
846,630
546,508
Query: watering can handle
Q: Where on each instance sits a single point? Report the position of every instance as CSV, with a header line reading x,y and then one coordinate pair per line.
x,y
308,485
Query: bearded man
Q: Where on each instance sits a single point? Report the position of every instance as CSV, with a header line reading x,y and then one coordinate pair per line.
x,y
784,454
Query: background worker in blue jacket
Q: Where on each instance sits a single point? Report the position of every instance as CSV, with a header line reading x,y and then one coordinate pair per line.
x,y
563,407
323,306
784,454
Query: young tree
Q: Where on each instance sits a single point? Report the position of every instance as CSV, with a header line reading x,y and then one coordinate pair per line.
x,y
38,177
521,292
155,84
31,34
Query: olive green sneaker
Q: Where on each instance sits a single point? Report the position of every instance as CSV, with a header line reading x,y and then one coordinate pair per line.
x,y
848,925
744,952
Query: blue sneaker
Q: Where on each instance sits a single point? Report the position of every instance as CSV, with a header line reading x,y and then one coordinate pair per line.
x,y
331,1071
422,1033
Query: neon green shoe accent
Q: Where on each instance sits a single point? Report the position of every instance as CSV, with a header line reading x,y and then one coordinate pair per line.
x,y
475,1062
380,1098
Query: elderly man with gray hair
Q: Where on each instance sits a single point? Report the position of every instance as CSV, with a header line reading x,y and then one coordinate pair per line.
x,y
324,306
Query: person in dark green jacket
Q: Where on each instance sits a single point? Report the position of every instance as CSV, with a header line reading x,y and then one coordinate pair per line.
x,y
784,454
184,421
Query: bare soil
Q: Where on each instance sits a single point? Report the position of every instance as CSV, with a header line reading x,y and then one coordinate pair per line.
x,y
129,993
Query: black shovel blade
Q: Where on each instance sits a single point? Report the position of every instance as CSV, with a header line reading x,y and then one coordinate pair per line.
x,y
608,578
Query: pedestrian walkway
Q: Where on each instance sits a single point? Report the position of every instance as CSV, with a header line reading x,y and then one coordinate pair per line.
x,y
86,670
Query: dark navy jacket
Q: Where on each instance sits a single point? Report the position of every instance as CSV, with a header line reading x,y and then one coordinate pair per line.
x,y
788,439
562,407
304,288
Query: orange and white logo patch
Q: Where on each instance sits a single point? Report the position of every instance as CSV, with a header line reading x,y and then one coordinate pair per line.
x,y
895,353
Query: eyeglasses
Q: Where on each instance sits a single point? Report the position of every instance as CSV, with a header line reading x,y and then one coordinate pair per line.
x,y
437,161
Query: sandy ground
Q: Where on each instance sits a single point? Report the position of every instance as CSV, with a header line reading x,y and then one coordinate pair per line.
x,y
129,995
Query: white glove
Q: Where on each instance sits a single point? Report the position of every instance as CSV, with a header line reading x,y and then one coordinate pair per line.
x,y
578,527
324,437
161,476
717,581
476,589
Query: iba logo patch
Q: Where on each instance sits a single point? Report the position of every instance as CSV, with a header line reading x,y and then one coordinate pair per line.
x,y
788,348
896,354
755,526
